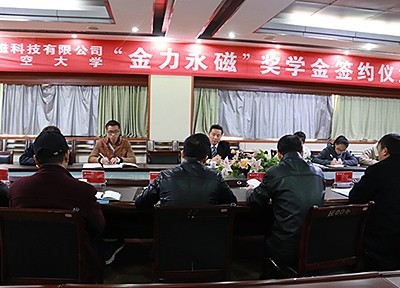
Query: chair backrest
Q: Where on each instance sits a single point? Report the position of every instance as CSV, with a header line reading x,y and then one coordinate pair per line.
x,y
139,147
163,157
331,239
82,149
192,243
40,246
7,157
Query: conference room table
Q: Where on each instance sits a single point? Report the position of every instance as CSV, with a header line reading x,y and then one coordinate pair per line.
x,y
124,220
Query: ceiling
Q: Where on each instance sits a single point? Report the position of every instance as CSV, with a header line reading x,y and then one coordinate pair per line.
x,y
331,26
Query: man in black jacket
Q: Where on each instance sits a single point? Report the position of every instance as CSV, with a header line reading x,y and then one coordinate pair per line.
x,y
381,184
27,157
190,183
293,186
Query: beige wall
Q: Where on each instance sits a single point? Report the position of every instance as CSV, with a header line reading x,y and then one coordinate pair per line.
x,y
170,107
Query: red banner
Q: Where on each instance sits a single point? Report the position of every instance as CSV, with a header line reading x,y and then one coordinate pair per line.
x,y
134,57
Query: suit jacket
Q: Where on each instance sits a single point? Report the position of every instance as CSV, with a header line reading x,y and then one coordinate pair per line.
x,y
223,150
381,184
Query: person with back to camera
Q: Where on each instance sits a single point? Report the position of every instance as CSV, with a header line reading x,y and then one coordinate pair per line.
x,y
112,149
336,154
190,183
306,150
381,184
27,157
293,186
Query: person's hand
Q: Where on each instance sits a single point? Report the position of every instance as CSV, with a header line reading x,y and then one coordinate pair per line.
x,y
114,160
249,187
335,162
104,160
216,159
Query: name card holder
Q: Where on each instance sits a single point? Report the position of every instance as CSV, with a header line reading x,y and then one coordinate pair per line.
x,y
344,177
256,175
94,176
4,175
153,176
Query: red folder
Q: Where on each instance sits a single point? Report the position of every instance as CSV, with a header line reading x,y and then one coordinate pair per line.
x,y
4,174
94,176
346,176
256,175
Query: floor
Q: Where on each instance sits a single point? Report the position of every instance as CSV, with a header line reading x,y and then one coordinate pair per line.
x,y
133,264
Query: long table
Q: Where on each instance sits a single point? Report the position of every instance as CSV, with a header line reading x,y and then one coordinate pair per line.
x,y
143,170
124,220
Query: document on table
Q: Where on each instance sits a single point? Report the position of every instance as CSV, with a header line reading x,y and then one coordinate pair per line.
x,y
253,182
91,166
108,195
342,191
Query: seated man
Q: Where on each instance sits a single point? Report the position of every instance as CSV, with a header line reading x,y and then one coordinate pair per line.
x,y
293,186
370,156
113,149
218,149
27,157
381,184
190,183
306,151
52,186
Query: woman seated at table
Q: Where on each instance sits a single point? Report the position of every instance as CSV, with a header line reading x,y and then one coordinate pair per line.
x,y
336,154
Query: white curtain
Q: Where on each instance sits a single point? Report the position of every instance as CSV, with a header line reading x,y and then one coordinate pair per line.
x,y
27,109
264,115
365,118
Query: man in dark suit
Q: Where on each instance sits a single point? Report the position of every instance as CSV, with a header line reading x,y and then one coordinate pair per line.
x,y
218,149
381,184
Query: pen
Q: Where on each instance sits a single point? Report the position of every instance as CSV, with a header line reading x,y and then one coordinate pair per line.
x,y
101,155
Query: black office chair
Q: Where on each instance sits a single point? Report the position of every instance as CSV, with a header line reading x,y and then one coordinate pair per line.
x,y
192,243
41,246
7,157
330,243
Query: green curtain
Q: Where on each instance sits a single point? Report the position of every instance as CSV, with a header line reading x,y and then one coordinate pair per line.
x,y
126,104
365,118
205,110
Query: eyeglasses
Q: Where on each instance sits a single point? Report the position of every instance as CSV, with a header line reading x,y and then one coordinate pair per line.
x,y
113,132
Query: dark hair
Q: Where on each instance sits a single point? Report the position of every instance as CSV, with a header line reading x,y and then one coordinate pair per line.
x,y
301,135
289,143
216,126
391,142
341,140
50,159
196,146
51,129
113,123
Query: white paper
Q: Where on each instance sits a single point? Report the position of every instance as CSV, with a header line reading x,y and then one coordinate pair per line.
x,y
108,195
342,191
336,165
91,165
253,182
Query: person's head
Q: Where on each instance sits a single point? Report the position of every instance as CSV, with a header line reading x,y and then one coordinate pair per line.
x,y
196,147
388,145
51,147
113,130
215,134
340,144
301,135
51,128
289,143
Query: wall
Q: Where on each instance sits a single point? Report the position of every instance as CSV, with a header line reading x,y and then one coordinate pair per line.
x,y
170,107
